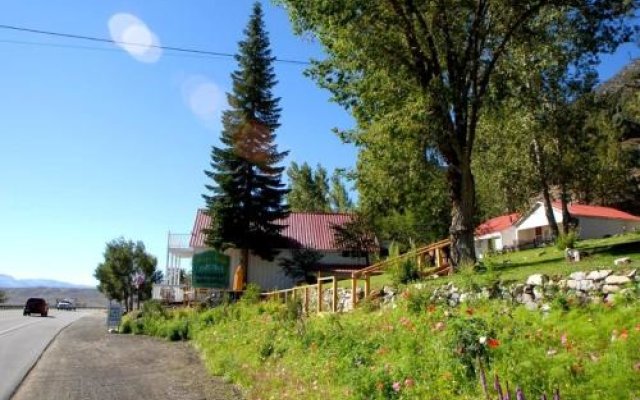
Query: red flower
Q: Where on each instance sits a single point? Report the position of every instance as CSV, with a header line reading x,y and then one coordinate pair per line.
x,y
470,311
493,343
624,334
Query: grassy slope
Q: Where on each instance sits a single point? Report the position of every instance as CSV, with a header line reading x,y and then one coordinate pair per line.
x,y
517,266
588,352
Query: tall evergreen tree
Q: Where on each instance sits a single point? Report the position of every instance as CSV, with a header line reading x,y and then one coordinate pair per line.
x,y
246,195
339,197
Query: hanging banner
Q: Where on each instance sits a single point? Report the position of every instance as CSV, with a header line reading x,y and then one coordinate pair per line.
x,y
210,270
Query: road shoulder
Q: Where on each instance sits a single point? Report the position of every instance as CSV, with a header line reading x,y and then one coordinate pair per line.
x,y
85,362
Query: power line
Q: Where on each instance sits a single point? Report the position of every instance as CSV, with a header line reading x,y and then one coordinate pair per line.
x,y
117,42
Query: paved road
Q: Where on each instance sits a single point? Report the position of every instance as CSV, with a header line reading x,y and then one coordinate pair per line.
x,y
22,341
86,363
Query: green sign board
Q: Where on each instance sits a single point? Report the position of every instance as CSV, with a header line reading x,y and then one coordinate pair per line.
x,y
210,270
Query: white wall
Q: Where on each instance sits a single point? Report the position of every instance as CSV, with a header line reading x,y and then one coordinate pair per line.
x,y
538,218
268,274
592,228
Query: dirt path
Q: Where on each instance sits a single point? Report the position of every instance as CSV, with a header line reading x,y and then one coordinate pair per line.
x,y
85,362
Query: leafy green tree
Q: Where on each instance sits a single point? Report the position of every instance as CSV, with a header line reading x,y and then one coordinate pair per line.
x,y
434,63
308,188
246,192
338,196
123,260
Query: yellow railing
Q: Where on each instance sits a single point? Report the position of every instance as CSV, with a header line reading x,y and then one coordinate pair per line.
x,y
365,273
303,293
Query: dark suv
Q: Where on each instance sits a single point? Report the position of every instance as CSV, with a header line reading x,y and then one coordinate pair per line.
x,y
36,306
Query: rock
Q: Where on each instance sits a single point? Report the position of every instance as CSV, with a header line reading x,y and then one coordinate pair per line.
x,y
531,306
632,274
537,280
586,285
609,298
610,288
527,298
578,276
621,261
617,280
572,284
389,290
562,283
599,275
537,293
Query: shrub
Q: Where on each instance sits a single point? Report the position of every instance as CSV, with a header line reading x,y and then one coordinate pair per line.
x,y
251,294
567,240
125,325
403,270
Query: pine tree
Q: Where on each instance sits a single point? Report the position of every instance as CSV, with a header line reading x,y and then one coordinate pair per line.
x,y
246,195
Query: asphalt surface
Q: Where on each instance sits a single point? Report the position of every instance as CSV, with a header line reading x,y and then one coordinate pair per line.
x,y
86,362
22,341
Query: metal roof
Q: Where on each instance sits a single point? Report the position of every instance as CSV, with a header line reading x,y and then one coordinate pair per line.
x,y
497,224
302,229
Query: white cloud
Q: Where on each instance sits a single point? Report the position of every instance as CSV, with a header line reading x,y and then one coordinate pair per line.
x,y
204,98
135,36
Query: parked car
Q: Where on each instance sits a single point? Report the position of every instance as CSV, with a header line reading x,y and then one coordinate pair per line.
x,y
36,306
65,305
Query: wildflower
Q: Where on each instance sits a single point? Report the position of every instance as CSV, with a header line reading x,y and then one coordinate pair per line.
x,y
439,326
493,343
614,335
564,340
409,382
482,339
432,308
624,334
552,352
396,386
379,386
470,311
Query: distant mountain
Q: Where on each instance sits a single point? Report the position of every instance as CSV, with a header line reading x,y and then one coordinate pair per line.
x,y
81,297
8,281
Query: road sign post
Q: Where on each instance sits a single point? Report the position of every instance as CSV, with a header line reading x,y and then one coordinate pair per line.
x,y
114,315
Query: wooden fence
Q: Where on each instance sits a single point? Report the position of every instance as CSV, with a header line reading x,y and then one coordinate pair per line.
x,y
435,250
304,294
442,266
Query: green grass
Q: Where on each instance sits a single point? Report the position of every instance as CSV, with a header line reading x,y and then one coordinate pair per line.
x,y
271,350
588,352
518,265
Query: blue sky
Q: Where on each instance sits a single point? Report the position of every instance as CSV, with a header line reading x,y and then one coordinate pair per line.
x,y
100,143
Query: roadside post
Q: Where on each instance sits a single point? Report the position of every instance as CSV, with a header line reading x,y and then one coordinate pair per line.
x,y
114,315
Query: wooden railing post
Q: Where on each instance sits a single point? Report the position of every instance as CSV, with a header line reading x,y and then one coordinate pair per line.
x,y
437,257
367,286
319,295
306,299
334,303
354,290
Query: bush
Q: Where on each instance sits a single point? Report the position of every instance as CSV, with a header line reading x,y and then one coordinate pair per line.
x,y
403,270
567,240
125,325
251,294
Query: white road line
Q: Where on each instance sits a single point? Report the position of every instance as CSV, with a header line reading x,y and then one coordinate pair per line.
x,y
15,328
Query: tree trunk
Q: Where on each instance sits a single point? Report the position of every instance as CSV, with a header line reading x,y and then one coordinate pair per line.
x,y
244,264
544,186
567,219
463,205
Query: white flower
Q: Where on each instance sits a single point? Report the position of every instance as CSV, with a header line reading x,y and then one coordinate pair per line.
x,y
483,339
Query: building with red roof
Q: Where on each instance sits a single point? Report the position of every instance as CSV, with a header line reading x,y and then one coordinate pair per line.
x,y
532,228
308,230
